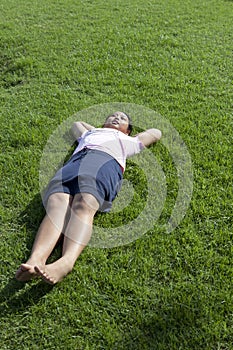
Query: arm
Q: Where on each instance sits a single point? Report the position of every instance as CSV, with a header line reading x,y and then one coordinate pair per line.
x,y
149,136
78,128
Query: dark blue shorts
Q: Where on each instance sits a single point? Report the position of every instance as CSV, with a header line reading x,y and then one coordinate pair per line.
x,y
88,171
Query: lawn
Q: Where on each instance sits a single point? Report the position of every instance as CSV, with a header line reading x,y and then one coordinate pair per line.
x,y
168,287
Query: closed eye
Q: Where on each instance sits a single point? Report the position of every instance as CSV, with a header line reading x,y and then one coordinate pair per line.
x,y
123,118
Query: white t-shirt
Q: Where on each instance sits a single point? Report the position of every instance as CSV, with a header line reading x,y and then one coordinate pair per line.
x,y
119,145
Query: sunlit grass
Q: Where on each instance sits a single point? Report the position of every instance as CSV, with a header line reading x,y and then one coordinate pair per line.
x,y
164,291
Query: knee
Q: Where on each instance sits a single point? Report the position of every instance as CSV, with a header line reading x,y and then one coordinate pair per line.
x,y
57,201
85,203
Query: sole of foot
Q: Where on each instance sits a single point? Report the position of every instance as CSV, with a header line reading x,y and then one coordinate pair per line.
x,y
25,273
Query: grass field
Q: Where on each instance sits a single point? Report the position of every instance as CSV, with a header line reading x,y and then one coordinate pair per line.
x,y
164,290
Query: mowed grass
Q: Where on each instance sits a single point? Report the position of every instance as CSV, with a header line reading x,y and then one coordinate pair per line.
x,y
165,290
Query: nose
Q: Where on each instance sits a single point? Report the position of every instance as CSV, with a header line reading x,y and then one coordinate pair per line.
x,y
116,116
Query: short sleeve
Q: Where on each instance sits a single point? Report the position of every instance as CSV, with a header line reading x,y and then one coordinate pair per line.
x,y
82,136
132,146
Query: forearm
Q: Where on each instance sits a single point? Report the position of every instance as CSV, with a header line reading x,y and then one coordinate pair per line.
x,y
149,136
87,126
78,128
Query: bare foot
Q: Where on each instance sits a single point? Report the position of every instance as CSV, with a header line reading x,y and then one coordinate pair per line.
x,y
25,273
55,272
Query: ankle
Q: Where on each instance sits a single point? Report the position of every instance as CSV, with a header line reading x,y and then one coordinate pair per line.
x,y
36,260
68,262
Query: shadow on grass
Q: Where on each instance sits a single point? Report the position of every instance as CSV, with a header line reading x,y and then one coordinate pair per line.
x,y
31,219
174,328
16,296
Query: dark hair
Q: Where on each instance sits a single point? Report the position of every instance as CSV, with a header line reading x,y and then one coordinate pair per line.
x,y
130,127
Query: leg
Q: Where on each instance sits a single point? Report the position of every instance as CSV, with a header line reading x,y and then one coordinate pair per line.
x,y
47,235
77,235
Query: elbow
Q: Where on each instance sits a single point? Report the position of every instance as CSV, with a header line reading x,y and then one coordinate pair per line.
x,y
157,134
76,129
76,125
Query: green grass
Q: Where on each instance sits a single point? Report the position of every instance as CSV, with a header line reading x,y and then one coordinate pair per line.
x,y
163,291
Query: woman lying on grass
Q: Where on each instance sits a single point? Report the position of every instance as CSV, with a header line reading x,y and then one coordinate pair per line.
x,y
88,182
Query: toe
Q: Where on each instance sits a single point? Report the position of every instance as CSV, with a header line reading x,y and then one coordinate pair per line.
x,y
48,279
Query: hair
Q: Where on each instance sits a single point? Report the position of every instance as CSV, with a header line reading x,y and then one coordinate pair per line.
x,y
130,126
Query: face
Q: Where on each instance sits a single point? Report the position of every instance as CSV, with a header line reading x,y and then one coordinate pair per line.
x,y
118,121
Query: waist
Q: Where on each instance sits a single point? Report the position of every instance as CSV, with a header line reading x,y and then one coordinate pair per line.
x,y
88,151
